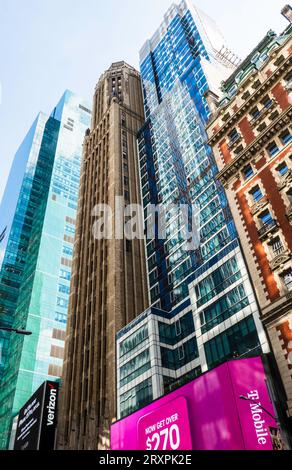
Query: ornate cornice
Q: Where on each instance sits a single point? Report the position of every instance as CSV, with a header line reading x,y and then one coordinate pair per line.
x,y
281,70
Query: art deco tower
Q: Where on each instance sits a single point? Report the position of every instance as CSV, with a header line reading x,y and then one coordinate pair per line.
x,y
108,286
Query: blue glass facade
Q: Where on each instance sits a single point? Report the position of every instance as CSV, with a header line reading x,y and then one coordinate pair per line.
x,y
177,166
201,294
36,269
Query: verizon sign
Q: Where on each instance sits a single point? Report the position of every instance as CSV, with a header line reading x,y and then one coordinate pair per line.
x,y
37,419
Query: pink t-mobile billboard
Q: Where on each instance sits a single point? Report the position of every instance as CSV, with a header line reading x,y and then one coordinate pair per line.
x,y
205,414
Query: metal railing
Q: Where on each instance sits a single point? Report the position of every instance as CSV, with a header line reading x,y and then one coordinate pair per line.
x,y
267,227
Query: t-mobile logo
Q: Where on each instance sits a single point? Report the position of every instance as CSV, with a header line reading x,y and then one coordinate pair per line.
x,y
258,421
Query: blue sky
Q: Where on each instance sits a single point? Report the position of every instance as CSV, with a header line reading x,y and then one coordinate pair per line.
x,y
47,46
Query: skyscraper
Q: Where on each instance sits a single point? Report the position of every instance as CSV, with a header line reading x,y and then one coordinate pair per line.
x,y
39,210
108,283
203,309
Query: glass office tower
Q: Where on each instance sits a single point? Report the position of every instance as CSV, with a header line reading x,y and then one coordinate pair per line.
x,y
39,210
203,306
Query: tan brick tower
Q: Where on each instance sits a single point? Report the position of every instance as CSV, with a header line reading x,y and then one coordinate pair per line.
x,y
108,286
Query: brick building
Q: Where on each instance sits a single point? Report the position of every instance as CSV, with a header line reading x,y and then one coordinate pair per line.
x,y
250,133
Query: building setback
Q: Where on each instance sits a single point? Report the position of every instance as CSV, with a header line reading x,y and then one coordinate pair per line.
x,y
250,132
39,211
109,283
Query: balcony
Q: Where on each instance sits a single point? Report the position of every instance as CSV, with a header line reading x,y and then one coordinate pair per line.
x,y
267,228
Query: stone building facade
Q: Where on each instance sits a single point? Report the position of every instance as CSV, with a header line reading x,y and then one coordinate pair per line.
x,y
250,133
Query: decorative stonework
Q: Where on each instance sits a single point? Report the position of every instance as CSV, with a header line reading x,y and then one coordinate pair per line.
x,y
280,260
259,142
259,205
265,86
286,180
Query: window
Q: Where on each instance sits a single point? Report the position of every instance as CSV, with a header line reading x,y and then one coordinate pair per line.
x,y
154,292
272,149
133,341
170,383
267,102
65,274
67,250
62,302
239,340
266,217
135,367
283,168
238,149
224,308
60,317
181,353
246,95
138,397
69,229
247,171
256,193
233,136
172,333
152,261
287,279
63,289
277,246
285,136
255,113
176,358
217,281
232,91
177,328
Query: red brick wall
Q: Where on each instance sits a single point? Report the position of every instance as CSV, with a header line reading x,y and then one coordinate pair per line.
x,y
225,151
281,96
261,162
246,130
268,277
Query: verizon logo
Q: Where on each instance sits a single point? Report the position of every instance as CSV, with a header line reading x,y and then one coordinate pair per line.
x,y
51,407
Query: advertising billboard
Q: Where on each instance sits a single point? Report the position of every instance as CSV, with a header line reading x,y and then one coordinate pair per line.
x,y
36,423
208,413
